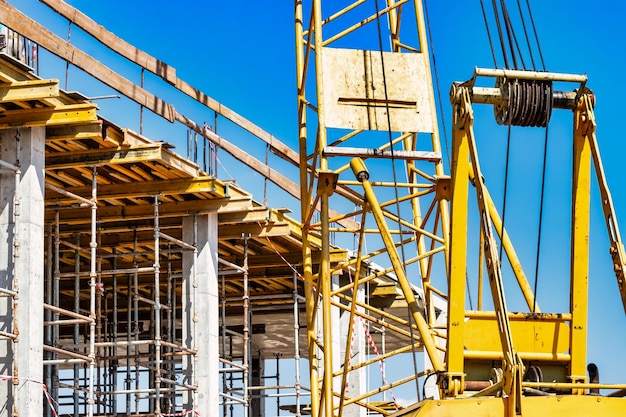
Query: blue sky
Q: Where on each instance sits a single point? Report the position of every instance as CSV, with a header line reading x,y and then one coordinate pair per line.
x,y
242,53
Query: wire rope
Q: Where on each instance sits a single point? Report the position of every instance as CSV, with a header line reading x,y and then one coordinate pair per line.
x,y
515,42
395,175
500,34
509,32
438,84
541,201
506,187
532,21
532,58
493,52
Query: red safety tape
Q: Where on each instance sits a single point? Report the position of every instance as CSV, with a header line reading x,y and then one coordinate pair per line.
x,y
51,401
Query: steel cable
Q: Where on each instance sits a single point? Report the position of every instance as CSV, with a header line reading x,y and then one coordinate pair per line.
x,y
395,175
493,52
532,59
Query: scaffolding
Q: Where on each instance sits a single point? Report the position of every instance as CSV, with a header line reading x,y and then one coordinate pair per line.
x,y
118,338
120,356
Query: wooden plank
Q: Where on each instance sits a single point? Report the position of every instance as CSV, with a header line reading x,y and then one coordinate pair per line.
x,y
73,55
115,43
141,212
277,260
49,116
10,73
145,188
256,230
168,73
77,132
28,90
13,18
105,156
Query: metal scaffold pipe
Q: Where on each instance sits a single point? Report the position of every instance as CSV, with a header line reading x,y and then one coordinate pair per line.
x,y
360,171
157,309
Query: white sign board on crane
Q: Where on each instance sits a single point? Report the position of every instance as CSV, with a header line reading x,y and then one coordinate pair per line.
x,y
359,90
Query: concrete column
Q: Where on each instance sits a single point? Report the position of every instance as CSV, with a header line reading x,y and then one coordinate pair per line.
x,y
337,341
22,270
201,313
342,332
356,383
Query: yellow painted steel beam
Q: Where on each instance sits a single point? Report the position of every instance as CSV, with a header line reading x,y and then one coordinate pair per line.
x,y
579,270
358,167
517,316
28,90
326,400
457,271
49,116
498,355
618,254
538,406
512,367
530,336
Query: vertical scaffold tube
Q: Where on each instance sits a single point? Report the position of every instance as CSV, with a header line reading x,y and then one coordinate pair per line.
x,y
194,334
157,311
246,329
76,335
93,245
296,342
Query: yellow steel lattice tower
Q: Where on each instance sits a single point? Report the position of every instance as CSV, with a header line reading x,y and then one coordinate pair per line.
x,y
379,95
371,165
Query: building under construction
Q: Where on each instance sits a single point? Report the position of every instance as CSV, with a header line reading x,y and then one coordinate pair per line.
x,y
135,281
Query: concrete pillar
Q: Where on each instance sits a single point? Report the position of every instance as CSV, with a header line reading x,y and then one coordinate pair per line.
x,y
338,341
22,270
201,314
356,383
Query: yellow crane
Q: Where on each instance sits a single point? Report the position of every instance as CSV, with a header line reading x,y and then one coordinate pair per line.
x,y
371,162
